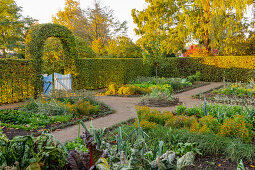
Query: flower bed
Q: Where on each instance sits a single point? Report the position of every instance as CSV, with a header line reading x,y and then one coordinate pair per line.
x,y
233,124
235,93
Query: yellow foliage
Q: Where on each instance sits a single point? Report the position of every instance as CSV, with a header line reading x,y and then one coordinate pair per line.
x,y
112,89
145,124
230,61
126,90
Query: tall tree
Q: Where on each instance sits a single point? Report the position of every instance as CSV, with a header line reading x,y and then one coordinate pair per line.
x,y
208,21
103,24
123,47
73,17
90,24
12,26
160,19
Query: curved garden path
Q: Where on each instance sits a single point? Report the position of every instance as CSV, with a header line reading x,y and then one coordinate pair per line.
x,y
124,109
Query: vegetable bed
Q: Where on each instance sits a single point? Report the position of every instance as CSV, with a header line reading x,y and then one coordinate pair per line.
x,y
236,93
39,116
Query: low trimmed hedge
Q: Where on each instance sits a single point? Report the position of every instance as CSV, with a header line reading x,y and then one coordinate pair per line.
x,y
17,80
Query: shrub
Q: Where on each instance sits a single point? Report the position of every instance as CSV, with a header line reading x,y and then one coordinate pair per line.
x,y
86,108
213,69
145,124
113,89
126,90
210,123
180,121
236,127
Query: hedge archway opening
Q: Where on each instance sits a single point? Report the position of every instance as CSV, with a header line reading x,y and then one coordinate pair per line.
x,y
35,40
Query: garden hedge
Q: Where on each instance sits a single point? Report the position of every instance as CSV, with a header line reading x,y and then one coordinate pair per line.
x,y
17,79
99,73
35,40
216,71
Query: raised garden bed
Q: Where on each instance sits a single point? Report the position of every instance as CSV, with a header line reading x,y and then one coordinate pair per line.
x,y
233,99
159,102
184,89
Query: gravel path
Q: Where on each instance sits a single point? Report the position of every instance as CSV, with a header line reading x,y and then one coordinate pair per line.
x,y
124,108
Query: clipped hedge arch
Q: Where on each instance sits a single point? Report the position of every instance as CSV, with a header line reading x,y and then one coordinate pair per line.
x,y
35,40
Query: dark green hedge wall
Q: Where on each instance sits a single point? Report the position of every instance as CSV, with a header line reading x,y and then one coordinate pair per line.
x,y
99,73
17,80
182,67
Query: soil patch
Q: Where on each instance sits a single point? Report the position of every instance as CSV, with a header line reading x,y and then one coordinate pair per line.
x,y
216,163
159,102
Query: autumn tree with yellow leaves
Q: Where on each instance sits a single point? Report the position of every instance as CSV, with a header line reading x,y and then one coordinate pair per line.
x,y
214,23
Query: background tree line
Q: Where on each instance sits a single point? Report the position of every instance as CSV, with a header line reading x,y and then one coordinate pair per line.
x,y
165,26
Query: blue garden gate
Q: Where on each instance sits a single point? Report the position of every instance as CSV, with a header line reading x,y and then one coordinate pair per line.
x,y
61,82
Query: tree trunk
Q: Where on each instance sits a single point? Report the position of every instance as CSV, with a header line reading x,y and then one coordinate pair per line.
x,y
4,53
156,71
207,42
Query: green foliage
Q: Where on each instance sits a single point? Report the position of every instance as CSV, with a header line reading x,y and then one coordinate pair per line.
x,y
78,145
195,77
52,56
153,53
50,107
37,36
27,152
12,27
123,47
207,144
160,93
240,90
159,19
99,73
175,83
28,121
220,112
183,67
83,48
17,79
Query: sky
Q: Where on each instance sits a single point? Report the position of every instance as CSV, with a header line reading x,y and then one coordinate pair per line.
x,y
43,10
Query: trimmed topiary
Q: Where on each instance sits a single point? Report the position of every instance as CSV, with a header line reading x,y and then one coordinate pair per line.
x,y
35,40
